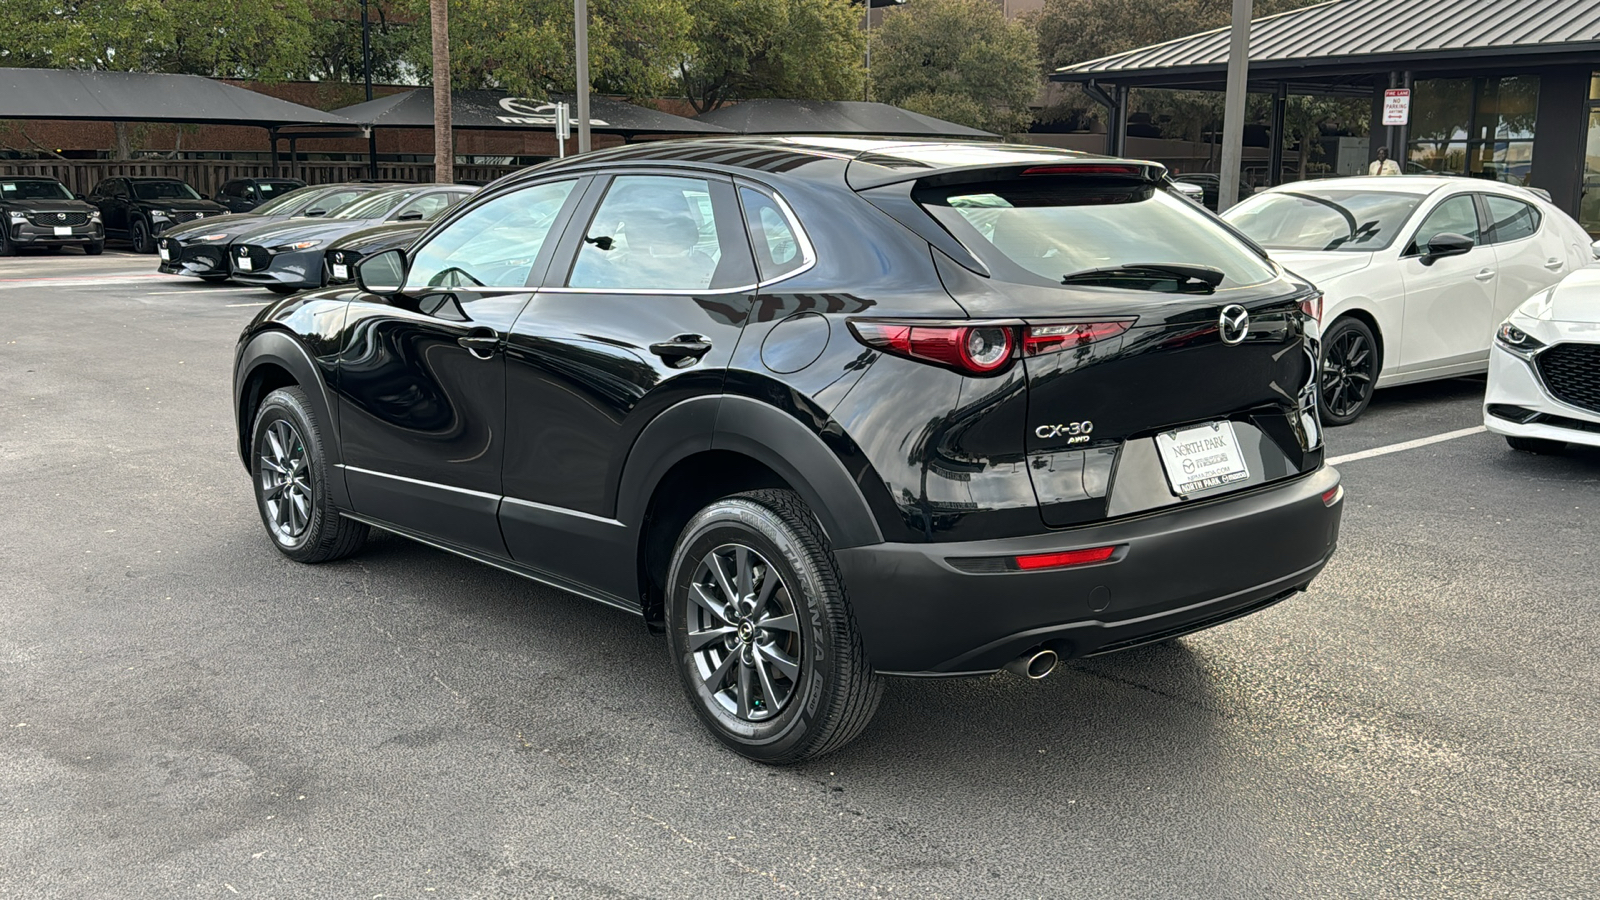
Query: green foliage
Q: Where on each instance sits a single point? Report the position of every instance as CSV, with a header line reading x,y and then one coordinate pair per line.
x,y
335,40
960,60
800,49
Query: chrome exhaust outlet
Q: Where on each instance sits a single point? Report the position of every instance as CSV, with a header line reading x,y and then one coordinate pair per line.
x,y
1035,664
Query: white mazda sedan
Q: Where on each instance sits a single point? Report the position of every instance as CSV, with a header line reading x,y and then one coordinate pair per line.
x,y
1415,271
1544,369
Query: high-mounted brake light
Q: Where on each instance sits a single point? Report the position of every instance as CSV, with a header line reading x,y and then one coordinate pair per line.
x,y
1037,339
1083,170
1065,559
978,349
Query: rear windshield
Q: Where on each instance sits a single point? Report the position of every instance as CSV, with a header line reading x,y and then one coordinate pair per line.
x,y
1051,228
1321,219
34,190
163,190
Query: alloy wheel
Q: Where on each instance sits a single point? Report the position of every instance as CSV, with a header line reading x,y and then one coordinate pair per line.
x,y
1347,373
286,481
743,632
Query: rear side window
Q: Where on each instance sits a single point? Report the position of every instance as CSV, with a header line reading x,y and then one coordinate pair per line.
x,y
1512,220
664,233
774,235
1044,229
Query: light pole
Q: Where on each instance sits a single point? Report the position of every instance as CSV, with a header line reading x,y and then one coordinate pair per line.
x,y
581,33
366,71
1233,112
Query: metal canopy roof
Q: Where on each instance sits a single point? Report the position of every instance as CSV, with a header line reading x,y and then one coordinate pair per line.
x,y
834,117
136,97
499,110
1372,35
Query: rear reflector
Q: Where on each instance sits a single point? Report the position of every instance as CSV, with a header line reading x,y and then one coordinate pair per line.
x,y
1083,170
1065,559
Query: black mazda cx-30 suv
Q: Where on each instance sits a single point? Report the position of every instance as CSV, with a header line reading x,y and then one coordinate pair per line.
x,y
820,411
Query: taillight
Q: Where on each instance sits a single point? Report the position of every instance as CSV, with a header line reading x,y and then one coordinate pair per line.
x,y
1312,306
1330,497
1037,339
1065,559
980,349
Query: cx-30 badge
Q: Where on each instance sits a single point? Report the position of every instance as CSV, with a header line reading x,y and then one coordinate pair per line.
x,y
1233,324
1075,432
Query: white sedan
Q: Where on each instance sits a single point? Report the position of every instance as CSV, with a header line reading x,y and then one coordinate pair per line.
x,y
1415,271
1544,369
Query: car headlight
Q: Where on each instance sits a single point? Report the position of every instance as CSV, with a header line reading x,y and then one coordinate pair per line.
x,y
1517,341
302,245
19,217
157,215
94,215
219,236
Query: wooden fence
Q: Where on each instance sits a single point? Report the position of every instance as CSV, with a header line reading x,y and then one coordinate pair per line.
x,y
205,176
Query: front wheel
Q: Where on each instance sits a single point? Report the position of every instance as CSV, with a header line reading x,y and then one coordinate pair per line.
x,y
140,238
94,249
289,465
1535,445
762,633
1349,371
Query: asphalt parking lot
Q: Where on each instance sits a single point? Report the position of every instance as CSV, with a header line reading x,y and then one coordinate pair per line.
x,y
184,713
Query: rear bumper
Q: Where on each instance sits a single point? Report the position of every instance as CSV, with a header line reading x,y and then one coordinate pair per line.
x,y
1177,571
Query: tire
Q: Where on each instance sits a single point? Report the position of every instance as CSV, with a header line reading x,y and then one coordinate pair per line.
x,y
1349,371
1536,445
282,288
797,688
139,236
94,249
6,247
54,249
214,279
288,469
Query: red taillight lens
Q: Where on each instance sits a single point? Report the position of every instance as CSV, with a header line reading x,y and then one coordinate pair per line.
x,y
1065,559
978,349
1329,498
1312,306
1037,339
1083,170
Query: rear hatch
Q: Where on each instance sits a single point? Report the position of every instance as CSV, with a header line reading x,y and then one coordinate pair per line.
x,y
1166,359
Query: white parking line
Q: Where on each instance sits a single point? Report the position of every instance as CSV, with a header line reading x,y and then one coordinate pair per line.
x,y
1406,445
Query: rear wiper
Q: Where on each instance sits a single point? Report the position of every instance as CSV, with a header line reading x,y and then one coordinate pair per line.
x,y
1184,273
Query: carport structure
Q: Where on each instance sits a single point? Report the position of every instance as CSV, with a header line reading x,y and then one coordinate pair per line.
x,y
136,97
837,118
1499,90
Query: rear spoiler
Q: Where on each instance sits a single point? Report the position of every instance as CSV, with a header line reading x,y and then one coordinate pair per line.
x,y
865,173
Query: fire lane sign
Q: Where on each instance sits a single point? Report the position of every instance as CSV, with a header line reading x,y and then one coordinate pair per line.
x,y
1396,106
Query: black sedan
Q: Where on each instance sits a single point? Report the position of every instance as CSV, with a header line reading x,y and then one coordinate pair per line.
x,y
288,256
343,254
137,210
245,194
200,249
820,411
41,212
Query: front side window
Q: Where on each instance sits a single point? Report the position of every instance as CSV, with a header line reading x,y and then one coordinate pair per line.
x,y
663,233
494,245
774,236
164,190
1058,227
1457,215
1324,220
1510,220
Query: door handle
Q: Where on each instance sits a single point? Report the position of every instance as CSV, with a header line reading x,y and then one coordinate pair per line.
x,y
1554,265
682,351
1485,275
480,342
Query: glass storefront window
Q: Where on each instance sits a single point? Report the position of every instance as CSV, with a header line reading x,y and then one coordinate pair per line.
x,y
1506,109
1589,205
1441,109
1443,157
1482,127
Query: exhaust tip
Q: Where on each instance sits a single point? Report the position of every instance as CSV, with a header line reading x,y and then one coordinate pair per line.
x,y
1035,664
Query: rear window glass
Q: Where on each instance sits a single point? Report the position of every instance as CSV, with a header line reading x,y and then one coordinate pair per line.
x,y
1051,228
1321,219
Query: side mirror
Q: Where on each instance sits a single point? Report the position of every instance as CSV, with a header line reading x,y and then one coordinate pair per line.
x,y
1192,191
383,273
1595,249
1447,243
318,211
410,215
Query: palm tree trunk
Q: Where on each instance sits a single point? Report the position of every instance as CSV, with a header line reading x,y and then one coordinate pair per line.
x,y
444,156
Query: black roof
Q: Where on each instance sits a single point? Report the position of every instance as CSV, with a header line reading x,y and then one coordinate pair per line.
x,y
136,97
1369,35
500,110
853,117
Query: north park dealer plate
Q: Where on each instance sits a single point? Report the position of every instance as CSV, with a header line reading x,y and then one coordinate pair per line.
x,y
1201,458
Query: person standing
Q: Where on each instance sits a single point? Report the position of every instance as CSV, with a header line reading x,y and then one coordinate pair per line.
x,y
1383,165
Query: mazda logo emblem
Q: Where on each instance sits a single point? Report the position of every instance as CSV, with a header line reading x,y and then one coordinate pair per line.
x,y
61,216
1233,324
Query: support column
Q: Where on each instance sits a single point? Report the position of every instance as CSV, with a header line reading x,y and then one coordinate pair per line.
x,y
372,154
1280,117
1117,129
1233,112
272,140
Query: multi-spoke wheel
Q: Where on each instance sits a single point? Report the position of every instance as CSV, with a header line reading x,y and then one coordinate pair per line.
x,y
287,461
762,632
1349,371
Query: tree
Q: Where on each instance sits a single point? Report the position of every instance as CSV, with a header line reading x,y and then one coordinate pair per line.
x,y
800,49
444,153
960,60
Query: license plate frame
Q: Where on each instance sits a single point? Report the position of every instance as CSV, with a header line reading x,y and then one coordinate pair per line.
x,y
1202,458
341,271
246,264
166,255
63,231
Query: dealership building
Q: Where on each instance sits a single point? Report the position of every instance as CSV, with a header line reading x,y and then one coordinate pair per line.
x,y
1508,91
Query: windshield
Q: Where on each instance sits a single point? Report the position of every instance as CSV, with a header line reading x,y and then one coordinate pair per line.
x,y
1052,228
372,206
1324,219
275,188
34,190
163,190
